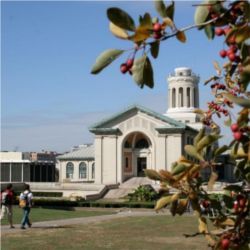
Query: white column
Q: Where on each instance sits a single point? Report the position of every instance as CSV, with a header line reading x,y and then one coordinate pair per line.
x,y
170,105
192,97
98,159
185,97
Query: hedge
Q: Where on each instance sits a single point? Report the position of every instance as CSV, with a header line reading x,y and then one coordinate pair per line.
x,y
47,194
70,203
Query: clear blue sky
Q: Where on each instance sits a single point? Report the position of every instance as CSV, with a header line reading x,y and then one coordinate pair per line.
x,y
49,98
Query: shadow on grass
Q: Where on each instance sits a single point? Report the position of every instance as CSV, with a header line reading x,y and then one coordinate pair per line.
x,y
58,208
52,227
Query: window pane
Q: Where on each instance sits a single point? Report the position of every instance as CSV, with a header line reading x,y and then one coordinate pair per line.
x,y
82,170
69,170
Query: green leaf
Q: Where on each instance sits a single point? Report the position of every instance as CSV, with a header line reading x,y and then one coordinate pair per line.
x,y
221,150
209,31
174,165
121,19
154,49
178,169
212,179
152,174
164,201
240,33
143,72
206,141
241,101
201,14
146,21
191,151
104,59
199,136
170,10
161,8
118,32
235,188
228,122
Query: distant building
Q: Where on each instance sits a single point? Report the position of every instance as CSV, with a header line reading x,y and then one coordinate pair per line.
x,y
77,165
14,168
28,167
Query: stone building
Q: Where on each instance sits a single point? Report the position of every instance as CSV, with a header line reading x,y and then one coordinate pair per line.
x,y
138,138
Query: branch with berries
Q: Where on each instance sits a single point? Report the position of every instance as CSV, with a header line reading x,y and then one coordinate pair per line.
x,y
229,86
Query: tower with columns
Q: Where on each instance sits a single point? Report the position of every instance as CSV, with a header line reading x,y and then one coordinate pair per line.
x,y
183,96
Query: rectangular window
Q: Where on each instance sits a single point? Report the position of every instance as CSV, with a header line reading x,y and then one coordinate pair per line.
x,y
126,163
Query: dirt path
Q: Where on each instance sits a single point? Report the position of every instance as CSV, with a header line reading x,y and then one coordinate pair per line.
x,y
82,220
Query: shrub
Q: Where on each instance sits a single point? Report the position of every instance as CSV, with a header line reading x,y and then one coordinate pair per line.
x,y
143,193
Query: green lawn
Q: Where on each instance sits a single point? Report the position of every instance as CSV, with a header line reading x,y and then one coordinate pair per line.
x,y
131,233
45,214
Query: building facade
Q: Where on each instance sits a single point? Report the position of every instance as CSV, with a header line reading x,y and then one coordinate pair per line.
x,y
77,165
138,138
28,167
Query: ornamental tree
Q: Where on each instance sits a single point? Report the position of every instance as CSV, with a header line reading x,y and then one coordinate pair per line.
x,y
229,90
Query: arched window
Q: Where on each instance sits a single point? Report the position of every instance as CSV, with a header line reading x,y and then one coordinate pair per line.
x,y
173,98
188,98
142,143
93,171
181,104
69,170
82,170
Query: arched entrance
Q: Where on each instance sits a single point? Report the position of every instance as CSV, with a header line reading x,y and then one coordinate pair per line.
x,y
137,149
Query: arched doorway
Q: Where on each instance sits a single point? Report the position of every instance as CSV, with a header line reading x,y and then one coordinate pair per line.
x,y
137,149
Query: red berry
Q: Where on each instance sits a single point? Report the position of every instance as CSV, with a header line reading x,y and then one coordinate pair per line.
x,y
225,244
124,68
157,27
213,15
238,136
225,112
233,48
227,30
223,53
219,31
242,202
130,63
236,206
234,127
205,204
232,40
232,57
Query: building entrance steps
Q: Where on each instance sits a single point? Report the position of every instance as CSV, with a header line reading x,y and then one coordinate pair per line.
x,y
127,187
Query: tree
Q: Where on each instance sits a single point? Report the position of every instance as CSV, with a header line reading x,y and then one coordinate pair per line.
x,y
229,88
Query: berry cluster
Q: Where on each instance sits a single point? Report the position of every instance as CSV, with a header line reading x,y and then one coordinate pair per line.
x,y
240,203
218,86
127,66
217,108
238,133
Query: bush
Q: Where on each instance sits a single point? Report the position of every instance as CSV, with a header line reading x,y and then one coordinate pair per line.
x,y
143,193
118,204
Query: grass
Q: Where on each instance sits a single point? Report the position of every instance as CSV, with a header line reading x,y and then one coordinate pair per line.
x,y
45,214
130,233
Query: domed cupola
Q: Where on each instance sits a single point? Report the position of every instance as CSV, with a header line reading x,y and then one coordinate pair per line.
x,y
183,96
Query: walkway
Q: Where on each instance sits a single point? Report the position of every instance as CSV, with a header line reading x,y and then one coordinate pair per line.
x,y
82,220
